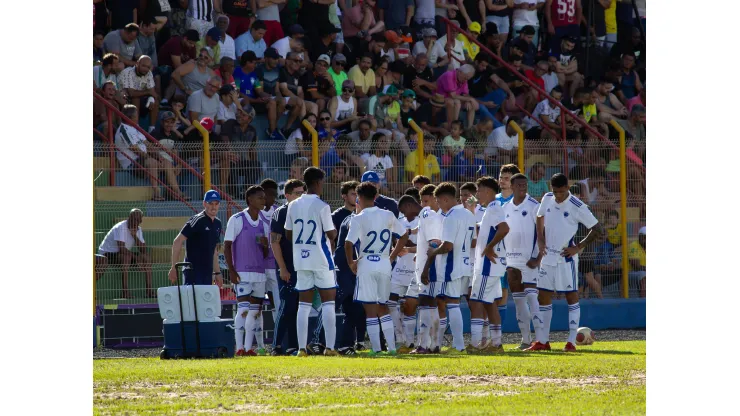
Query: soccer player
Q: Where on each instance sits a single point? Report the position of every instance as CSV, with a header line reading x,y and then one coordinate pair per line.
x,y
349,197
245,249
403,276
271,284
488,269
468,199
371,231
557,222
428,236
420,181
522,257
458,242
506,194
308,225
286,322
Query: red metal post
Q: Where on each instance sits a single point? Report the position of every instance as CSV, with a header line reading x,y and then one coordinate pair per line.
x,y
111,152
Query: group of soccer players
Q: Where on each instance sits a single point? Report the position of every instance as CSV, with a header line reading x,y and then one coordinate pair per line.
x,y
407,265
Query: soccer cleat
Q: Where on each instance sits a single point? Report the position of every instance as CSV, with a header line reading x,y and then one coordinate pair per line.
x,y
261,351
302,353
291,351
406,350
435,350
569,347
472,349
495,349
347,351
420,350
455,351
241,353
315,349
330,353
391,353
538,346
372,354
250,353
360,347
547,345
523,346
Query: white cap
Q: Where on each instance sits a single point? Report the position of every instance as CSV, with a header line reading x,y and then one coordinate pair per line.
x,y
642,231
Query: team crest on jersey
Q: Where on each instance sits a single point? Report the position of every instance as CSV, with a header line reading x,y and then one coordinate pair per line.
x,y
305,254
524,213
565,214
373,257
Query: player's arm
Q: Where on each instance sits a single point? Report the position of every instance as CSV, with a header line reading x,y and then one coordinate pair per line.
x,y
400,245
595,230
289,224
353,236
176,250
277,252
328,225
541,235
217,268
228,242
501,230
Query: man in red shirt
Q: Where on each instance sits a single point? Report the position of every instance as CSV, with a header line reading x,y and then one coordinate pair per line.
x,y
563,19
535,75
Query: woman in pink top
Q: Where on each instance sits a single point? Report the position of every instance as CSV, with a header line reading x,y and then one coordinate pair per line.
x,y
638,99
453,85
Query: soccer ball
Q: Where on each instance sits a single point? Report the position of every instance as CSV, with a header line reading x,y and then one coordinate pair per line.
x,y
585,336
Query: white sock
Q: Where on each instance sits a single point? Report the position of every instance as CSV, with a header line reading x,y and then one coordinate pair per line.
x,y
476,332
574,319
304,310
496,335
534,309
522,316
546,312
486,330
373,331
434,327
329,319
409,324
258,331
395,314
276,306
250,325
441,329
456,326
425,324
386,324
242,308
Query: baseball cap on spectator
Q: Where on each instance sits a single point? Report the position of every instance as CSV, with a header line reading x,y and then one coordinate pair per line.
x,y
428,32
296,29
388,90
207,123
397,66
248,110
438,100
527,30
474,27
272,53
409,93
642,231
214,33
211,196
166,115
339,58
491,28
392,36
370,176
328,29
192,35
325,58
348,84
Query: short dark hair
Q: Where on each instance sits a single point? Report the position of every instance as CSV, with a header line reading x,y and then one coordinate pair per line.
x,y
559,180
412,192
131,27
457,123
421,179
365,121
446,188
291,184
612,213
109,58
469,186
518,176
428,190
247,56
510,168
269,184
313,175
367,190
252,190
407,199
148,20
367,55
258,24
482,57
557,88
179,98
348,186
488,182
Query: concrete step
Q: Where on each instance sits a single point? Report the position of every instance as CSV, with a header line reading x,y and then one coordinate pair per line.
x,y
123,193
160,223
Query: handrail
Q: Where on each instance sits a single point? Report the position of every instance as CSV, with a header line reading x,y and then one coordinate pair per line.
x,y
206,154
623,206
149,137
314,142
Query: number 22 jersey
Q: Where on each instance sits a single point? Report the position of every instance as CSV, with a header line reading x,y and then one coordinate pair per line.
x,y
309,218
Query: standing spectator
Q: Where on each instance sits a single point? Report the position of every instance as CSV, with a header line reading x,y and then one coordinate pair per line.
x,y
205,102
607,104
359,22
431,165
268,12
241,15
138,83
123,43
147,41
200,236
525,14
437,57
225,41
499,12
638,260
363,77
595,10
199,16
567,70
424,14
629,81
610,18
538,184
123,12
194,74
453,85
472,11
178,50
563,19
252,40
211,41
314,17
107,71
396,13
318,85
117,249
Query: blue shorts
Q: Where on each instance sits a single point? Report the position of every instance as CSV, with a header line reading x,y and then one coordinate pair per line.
x,y
504,282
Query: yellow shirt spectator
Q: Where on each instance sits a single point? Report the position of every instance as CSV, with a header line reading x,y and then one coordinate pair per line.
x,y
614,235
471,47
637,252
610,16
362,81
431,166
589,111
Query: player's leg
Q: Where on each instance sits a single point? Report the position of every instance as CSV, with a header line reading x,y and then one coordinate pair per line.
x,y
523,315
328,292
501,304
545,288
566,281
386,322
452,292
366,293
441,326
409,317
253,324
242,309
305,287
394,308
477,312
273,291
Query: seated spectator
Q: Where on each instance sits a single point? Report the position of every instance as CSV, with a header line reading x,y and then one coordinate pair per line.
x,y
205,102
241,15
551,77
482,130
336,71
122,42
324,130
381,162
635,124
503,143
491,39
431,165
178,50
638,263
294,42
269,13
638,99
168,138
318,85
431,116
327,42
589,112
363,77
98,52
567,71
538,184
147,39
137,158
354,163
226,71
629,84
226,43
467,165
428,45
268,76
453,85
599,196
228,107
387,110
343,107
241,158
470,49
407,111
182,123
457,50
546,113
613,228
211,40
454,143
193,75
396,13
420,79
299,142
108,70
138,84
100,111
524,18
536,76
361,138
291,90
483,86
392,41
328,156
607,263
607,104
634,45
246,80
252,40
382,74
524,46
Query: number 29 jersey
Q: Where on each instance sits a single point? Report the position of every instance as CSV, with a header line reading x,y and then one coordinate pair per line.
x,y
371,232
309,218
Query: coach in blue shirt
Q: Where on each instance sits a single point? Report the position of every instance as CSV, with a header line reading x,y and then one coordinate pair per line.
x,y
381,201
200,235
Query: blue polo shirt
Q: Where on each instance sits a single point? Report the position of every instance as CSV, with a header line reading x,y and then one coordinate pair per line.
x,y
203,235
277,226
501,200
345,277
386,203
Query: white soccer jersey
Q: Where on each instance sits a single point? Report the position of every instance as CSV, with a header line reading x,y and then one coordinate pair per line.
x,y
404,269
479,211
521,241
372,231
309,218
493,217
430,228
458,228
561,224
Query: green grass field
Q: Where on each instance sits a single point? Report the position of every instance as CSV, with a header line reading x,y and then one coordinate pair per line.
x,y
606,378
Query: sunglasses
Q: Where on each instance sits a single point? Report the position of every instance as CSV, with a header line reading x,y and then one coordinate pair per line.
x,y
348,90
297,60
325,118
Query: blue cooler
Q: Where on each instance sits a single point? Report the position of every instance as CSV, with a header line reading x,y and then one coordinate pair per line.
x,y
201,339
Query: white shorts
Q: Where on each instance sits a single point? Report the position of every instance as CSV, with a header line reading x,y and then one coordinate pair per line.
x,y
452,289
563,277
253,289
432,290
318,279
467,282
373,287
529,276
399,290
271,283
414,289
502,23
486,289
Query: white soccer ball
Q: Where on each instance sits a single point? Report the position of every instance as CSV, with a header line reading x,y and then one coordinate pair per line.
x,y
585,336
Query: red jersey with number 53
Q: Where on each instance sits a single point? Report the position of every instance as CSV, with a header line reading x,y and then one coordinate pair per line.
x,y
563,13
